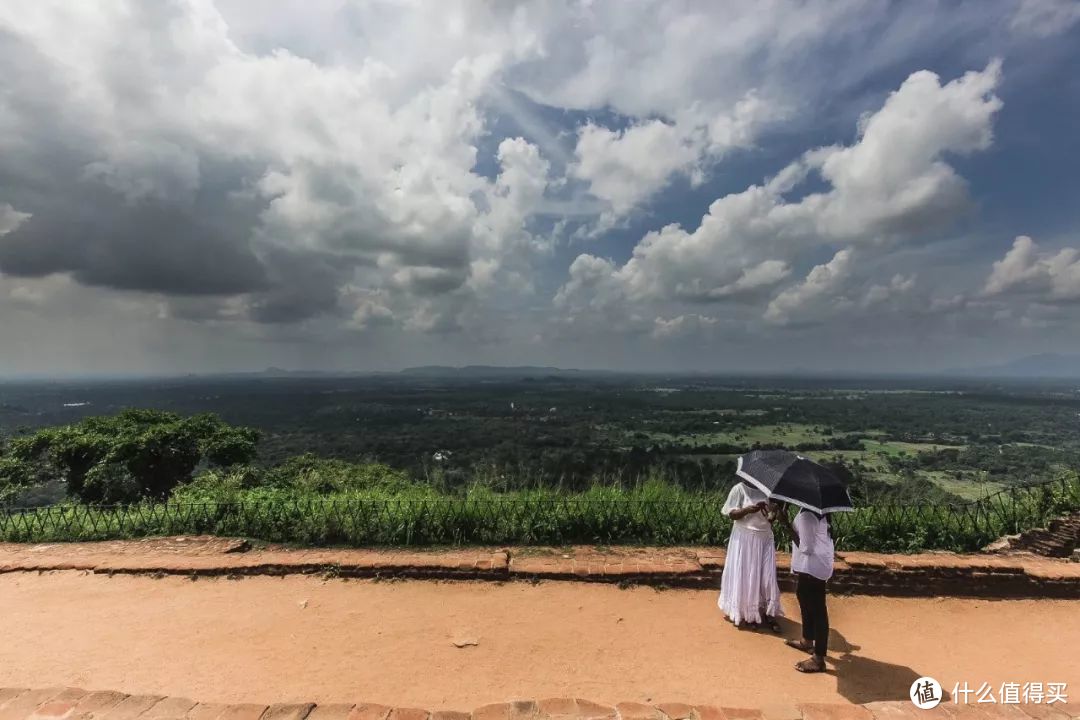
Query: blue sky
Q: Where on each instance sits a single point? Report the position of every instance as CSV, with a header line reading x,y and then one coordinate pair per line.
x,y
203,185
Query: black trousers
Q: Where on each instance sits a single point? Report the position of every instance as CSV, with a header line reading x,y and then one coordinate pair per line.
x,y
815,616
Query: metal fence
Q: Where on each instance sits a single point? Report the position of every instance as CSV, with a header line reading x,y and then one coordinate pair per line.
x,y
552,520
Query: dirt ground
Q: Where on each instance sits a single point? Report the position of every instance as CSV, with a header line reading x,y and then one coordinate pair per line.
x,y
307,639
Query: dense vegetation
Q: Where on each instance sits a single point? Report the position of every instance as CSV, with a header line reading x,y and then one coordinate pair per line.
x,y
320,502
904,438
132,456
546,459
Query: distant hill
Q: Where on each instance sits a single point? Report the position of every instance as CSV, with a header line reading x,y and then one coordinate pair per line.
x,y
1044,365
494,371
433,371
276,372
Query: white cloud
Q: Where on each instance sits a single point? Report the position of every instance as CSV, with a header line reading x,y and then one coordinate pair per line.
x,y
10,218
27,294
1043,18
899,285
892,185
949,303
748,283
689,325
651,58
591,281
369,314
501,231
626,167
1053,276
894,181
818,285
739,127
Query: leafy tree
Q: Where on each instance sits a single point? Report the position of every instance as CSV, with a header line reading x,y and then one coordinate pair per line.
x,y
14,477
130,456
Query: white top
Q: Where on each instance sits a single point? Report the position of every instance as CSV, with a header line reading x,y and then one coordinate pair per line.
x,y
814,556
742,496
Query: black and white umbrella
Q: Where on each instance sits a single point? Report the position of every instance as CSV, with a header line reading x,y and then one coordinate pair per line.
x,y
783,475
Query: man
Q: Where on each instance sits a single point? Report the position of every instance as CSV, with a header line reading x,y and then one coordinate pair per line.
x,y
812,554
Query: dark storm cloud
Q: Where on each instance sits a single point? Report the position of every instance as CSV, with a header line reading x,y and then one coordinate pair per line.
x,y
149,244
173,238
164,210
303,285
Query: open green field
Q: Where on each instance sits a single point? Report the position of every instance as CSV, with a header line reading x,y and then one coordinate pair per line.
x,y
893,447
873,458
788,434
971,486
875,453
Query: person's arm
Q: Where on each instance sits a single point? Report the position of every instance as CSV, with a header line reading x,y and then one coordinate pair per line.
x,y
743,512
734,506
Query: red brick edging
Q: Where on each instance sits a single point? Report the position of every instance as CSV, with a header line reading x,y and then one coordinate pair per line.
x,y
77,704
928,574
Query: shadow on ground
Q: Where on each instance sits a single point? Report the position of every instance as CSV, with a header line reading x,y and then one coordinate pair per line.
x,y
860,679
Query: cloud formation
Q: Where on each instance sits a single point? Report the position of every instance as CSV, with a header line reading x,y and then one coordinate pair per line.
x,y
627,167
456,176
1053,277
183,165
892,185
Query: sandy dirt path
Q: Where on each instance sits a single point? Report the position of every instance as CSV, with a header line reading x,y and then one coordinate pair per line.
x,y
305,639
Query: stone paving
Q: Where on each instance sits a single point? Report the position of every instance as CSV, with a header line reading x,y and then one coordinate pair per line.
x,y
926,574
77,704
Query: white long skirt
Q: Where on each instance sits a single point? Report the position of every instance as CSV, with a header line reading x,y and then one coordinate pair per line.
x,y
748,587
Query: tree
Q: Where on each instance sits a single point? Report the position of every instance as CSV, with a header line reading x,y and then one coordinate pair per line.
x,y
15,476
134,455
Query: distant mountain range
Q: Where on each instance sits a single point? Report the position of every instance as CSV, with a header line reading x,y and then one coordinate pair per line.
x,y
490,371
1044,365
440,371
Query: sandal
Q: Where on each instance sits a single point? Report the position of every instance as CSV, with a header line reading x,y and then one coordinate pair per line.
x,y
810,665
800,645
771,623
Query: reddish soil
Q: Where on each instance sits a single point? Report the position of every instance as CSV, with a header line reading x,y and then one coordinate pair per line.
x,y
263,639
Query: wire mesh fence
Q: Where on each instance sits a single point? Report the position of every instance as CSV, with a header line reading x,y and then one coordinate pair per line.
x,y
553,520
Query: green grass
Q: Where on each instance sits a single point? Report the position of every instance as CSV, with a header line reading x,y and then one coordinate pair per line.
x,y
791,435
654,513
971,485
788,434
744,412
894,447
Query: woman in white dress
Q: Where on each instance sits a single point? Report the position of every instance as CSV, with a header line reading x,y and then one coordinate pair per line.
x,y
749,593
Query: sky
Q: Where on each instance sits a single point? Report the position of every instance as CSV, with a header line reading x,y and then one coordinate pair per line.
x,y
193,186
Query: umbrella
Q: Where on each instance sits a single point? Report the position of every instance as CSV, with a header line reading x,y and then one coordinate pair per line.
x,y
783,475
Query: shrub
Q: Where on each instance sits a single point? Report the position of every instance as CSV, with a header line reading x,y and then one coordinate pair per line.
x,y
134,455
321,476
